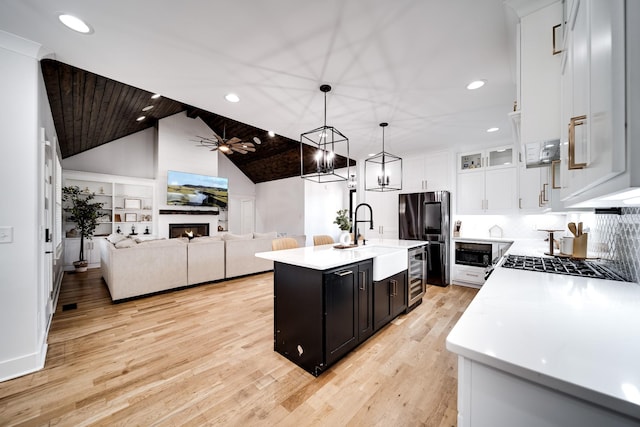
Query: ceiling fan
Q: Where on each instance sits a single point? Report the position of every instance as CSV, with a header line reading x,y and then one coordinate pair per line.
x,y
228,146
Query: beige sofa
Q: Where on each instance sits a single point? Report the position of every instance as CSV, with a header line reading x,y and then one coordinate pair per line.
x,y
134,269
205,260
145,268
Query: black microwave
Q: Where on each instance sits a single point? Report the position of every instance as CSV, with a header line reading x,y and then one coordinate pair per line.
x,y
475,254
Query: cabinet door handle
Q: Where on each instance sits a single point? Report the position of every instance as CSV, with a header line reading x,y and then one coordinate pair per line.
x,y
575,121
363,280
544,193
553,174
343,273
540,199
520,203
394,288
555,49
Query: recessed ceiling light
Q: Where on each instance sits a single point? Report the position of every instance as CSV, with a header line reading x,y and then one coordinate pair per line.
x,y
141,118
493,130
476,84
149,107
272,133
232,97
155,96
75,23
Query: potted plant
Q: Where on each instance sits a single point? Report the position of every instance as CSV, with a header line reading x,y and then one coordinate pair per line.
x,y
84,213
344,223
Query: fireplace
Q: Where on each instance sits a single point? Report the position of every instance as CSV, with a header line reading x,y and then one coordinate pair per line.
x,y
179,230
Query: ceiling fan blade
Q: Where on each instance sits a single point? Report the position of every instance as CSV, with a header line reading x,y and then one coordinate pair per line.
x,y
234,140
251,149
257,140
239,150
218,139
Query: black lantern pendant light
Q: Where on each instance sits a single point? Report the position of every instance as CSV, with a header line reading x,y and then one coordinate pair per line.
x,y
323,150
383,171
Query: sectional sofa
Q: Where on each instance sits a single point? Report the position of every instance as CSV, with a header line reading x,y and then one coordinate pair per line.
x,y
134,267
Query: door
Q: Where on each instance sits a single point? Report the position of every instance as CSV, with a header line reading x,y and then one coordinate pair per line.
x,y
341,308
365,300
470,197
46,226
409,211
435,264
247,216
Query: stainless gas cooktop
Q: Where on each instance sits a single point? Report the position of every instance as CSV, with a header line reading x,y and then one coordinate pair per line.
x,y
568,266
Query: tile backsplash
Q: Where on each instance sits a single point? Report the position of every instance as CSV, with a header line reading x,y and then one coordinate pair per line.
x,y
616,240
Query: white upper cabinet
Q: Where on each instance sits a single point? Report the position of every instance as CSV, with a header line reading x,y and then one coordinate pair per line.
x,y
486,182
593,96
427,172
539,53
499,157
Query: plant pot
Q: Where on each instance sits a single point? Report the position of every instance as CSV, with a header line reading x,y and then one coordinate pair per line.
x,y
80,266
345,237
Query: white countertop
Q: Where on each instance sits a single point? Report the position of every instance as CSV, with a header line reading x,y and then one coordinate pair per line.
x,y
574,334
326,256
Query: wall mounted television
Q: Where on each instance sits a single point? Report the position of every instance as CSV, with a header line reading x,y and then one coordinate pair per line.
x,y
188,189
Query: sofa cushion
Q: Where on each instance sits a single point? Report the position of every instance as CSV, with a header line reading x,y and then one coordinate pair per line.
x,y
270,235
115,238
126,243
205,239
229,236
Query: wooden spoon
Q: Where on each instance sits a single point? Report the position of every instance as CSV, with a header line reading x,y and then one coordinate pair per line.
x,y
572,228
579,229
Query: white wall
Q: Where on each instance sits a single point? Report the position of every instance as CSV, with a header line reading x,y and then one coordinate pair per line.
x,y
177,151
280,206
22,335
321,204
134,155
241,189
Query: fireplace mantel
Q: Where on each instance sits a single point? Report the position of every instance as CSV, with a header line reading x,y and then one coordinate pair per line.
x,y
188,212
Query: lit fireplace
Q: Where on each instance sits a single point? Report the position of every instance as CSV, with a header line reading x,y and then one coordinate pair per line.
x,y
180,230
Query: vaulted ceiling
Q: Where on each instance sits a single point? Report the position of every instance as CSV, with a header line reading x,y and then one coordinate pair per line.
x,y
405,62
90,110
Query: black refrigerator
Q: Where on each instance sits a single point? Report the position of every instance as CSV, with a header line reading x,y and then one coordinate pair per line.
x,y
426,216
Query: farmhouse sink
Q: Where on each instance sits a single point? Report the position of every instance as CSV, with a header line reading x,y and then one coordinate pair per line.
x,y
386,261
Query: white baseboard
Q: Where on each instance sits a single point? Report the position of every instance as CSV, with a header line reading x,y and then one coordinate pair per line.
x,y
27,364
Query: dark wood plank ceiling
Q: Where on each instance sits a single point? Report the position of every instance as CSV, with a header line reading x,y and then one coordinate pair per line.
x,y
90,110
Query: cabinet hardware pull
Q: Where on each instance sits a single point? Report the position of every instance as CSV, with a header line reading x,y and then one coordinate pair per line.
x,y
544,193
363,280
553,174
575,121
343,273
540,199
520,203
394,288
555,50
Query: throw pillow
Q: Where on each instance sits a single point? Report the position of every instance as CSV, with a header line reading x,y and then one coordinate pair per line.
x,y
126,243
115,238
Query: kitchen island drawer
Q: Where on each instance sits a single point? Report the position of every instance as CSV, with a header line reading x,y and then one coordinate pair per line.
x,y
468,275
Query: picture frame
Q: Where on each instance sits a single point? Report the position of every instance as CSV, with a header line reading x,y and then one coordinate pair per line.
x,y
130,217
132,204
117,218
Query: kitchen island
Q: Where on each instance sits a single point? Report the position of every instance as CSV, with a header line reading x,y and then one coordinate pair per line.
x,y
327,300
548,349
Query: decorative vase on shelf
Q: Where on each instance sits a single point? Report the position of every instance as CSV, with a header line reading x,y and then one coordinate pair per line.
x,y
345,238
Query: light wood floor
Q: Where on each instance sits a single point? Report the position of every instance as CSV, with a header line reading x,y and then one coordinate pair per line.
x,y
204,356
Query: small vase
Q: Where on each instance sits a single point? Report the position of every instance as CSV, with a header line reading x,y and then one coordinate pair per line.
x,y
345,238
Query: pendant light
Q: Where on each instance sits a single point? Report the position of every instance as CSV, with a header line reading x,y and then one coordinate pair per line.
x,y
383,171
319,149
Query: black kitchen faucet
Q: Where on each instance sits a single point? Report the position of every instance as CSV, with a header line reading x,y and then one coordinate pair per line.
x,y
355,222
